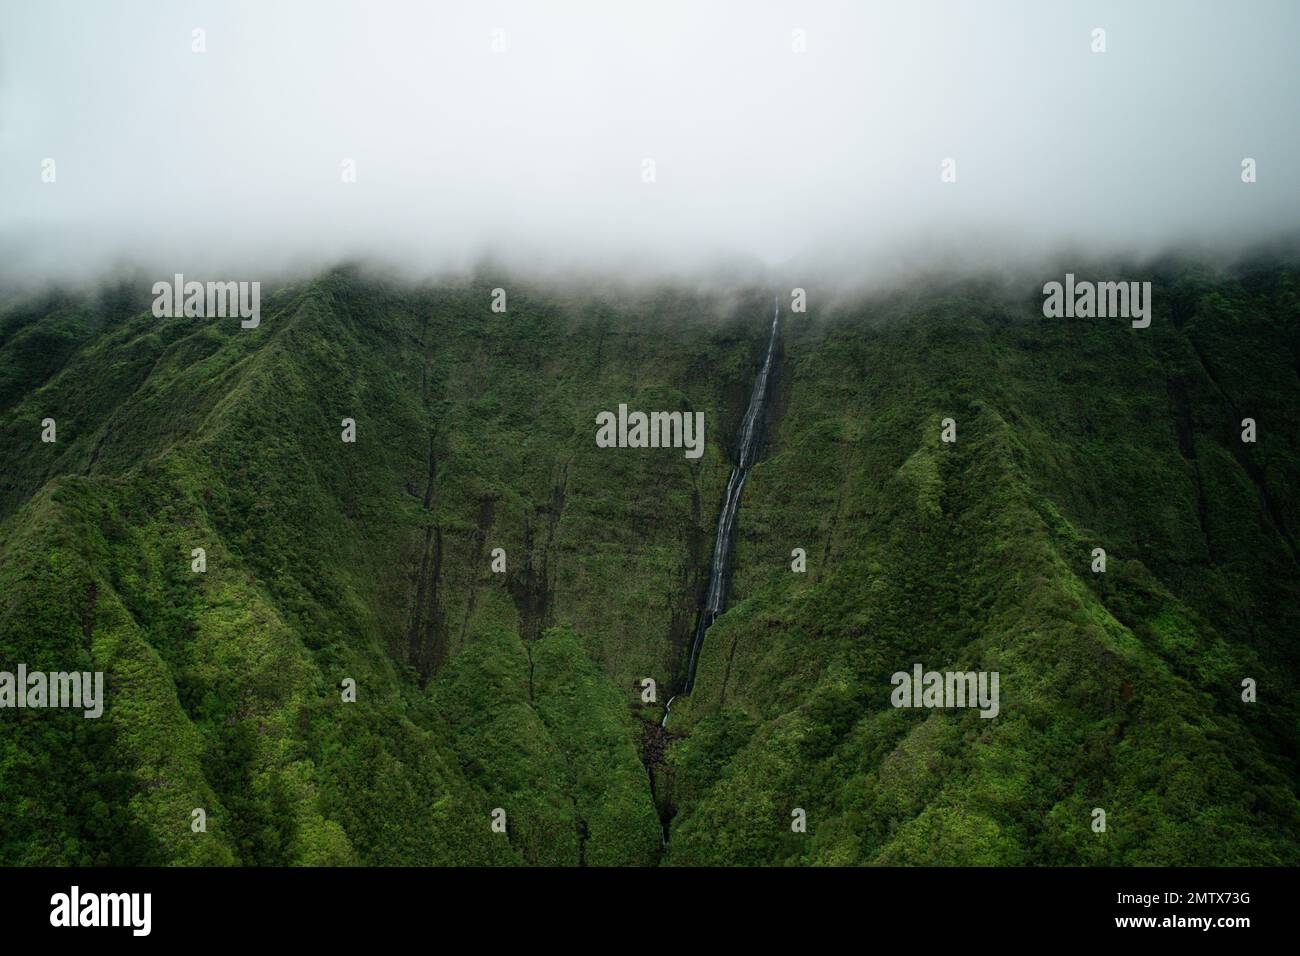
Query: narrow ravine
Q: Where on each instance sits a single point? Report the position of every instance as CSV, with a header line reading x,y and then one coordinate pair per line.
x,y
748,444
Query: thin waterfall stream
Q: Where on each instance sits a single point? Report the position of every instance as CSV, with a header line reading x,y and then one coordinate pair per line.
x,y
750,438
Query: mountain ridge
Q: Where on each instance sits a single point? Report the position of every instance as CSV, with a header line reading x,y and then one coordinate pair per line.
x,y
522,691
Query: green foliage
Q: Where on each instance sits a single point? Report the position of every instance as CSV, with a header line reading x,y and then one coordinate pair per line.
x,y
329,561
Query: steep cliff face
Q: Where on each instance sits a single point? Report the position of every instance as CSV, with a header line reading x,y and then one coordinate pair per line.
x,y
499,587
1120,690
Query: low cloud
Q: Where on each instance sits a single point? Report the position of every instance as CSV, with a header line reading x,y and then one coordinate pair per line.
x,y
638,139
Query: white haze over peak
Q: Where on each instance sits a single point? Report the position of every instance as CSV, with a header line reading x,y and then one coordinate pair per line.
x,y
231,159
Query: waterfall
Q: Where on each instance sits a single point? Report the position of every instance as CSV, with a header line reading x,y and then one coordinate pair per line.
x,y
751,433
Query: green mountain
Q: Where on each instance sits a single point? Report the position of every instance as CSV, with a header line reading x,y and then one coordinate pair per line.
x,y
486,696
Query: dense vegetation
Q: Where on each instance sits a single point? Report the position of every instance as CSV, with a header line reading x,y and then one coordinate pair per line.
x,y
372,561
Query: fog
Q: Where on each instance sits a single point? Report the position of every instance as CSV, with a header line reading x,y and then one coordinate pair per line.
x,y
231,161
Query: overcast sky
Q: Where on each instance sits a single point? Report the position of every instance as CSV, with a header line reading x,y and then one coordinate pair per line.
x,y
232,158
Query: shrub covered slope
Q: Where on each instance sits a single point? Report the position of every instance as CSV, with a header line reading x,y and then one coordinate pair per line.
x,y
372,561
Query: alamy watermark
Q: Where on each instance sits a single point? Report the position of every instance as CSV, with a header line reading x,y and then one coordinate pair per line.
x,y
75,908
208,300
1102,300
655,430
946,689
81,690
